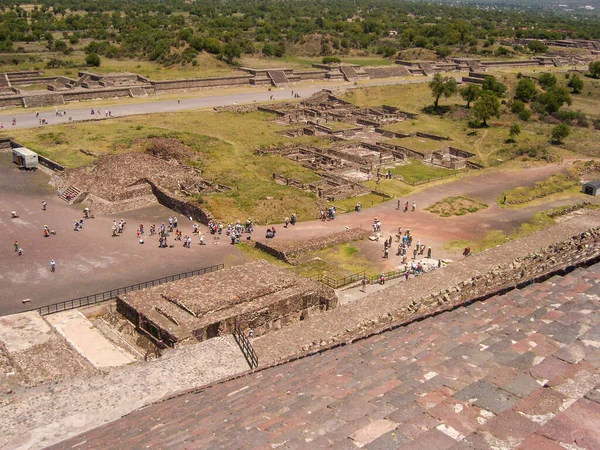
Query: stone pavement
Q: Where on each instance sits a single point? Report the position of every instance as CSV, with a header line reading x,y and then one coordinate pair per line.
x,y
515,371
40,416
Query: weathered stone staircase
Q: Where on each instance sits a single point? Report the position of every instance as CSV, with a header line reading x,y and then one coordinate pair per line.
x,y
71,194
278,77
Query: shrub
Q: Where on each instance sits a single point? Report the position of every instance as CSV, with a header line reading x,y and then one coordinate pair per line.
x,y
331,59
525,115
92,60
559,132
517,106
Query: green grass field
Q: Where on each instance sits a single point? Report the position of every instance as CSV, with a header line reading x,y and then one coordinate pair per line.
x,y
416,172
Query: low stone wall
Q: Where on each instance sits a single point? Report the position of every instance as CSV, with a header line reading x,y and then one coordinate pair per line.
x,y
10,102
522,271
196,83
289,251
95,94
432,136
53,165
568,210
32,101
312,75
181,205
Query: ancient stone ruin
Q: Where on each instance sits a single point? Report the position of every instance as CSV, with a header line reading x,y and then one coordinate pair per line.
x,y
116,183
257,295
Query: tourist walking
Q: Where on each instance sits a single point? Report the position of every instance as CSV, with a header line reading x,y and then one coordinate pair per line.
x,y
43,205
52,266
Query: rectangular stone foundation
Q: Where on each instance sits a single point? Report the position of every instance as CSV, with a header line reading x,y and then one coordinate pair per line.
x,y
258,295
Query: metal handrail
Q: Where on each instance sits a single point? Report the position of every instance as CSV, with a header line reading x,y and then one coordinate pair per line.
x,y
340,282
113,293
245,346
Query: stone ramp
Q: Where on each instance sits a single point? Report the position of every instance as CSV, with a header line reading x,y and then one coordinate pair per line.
x,y
278,77
474,66
78,331
36,418
32,353
349,73
138,92
514,371
427,69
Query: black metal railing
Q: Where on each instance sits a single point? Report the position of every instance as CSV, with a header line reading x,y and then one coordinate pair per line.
x,y
245,346
337,283
113,293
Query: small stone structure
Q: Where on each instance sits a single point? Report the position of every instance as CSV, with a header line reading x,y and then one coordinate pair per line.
x,y
451,158
257,295
290,251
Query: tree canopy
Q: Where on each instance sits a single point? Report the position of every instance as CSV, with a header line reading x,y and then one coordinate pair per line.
x,y
486,107
442,86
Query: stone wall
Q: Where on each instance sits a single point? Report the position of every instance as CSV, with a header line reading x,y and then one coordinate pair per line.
x,y
289,251
312,75
95,94
181,205
10,102
34,101
53,165
196,83
584,247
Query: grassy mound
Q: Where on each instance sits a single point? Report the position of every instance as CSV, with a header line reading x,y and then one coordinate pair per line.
x,y
455,206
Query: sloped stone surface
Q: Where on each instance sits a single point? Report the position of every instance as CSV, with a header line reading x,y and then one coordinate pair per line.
x,y
427,378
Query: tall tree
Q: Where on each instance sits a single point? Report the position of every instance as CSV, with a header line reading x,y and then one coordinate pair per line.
x,y
525,90
595,69
470,93
576,84
487,106
446,86
547,81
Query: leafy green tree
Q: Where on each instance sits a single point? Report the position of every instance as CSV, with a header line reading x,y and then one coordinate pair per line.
x,y
502,51
230,51
525,90
595,69
443,52
576,84
547,80
446,86
514,131
212,45
491,84
93,60
470,93
516,106
525,115
486,107
554,99
537,47
559,132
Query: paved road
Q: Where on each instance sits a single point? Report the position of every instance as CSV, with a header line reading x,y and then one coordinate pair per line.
x,y
28,119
